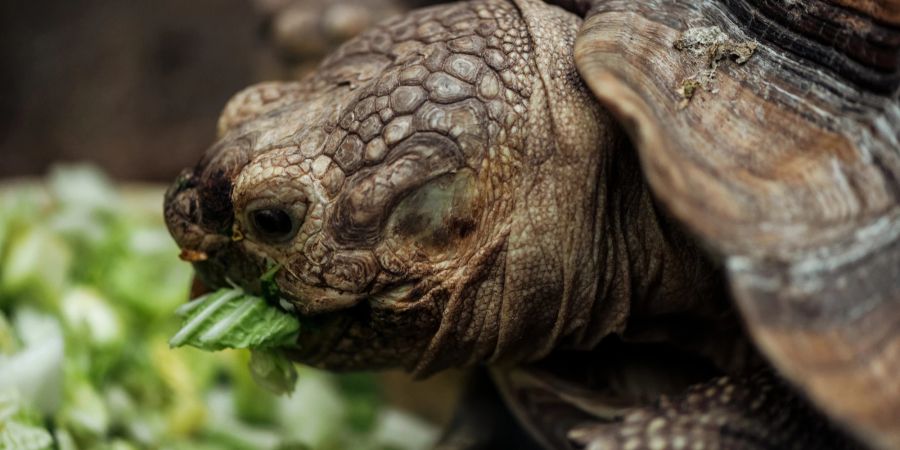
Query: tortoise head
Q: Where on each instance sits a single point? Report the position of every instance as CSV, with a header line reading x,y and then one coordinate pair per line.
x,y
409,192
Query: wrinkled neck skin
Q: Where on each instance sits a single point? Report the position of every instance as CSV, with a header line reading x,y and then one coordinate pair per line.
x,y
586,253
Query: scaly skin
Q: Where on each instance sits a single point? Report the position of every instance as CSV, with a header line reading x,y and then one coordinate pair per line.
x,y
452,175
458,198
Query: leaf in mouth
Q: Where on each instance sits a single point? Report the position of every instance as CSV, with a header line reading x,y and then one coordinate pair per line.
x,y
231,318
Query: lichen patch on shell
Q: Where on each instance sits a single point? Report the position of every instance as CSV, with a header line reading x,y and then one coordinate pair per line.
x,y
708,46
698,39
687,90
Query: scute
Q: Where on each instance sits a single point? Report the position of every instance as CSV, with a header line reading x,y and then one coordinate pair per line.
x,y
786,163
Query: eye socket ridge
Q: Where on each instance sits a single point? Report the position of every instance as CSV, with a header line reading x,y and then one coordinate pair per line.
x,y
363,208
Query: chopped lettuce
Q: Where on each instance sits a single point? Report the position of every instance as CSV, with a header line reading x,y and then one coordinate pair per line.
x,y
88,281
8,341
87,312
19,428
16,435
85,413
273,371
35,371
231,318
35,266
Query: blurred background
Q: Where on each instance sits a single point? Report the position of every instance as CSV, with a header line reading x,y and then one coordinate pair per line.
x,y
135,87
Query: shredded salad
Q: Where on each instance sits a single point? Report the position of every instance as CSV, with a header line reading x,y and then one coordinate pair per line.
x,y
92,355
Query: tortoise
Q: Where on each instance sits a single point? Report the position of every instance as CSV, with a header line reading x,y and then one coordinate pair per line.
x,y
658,224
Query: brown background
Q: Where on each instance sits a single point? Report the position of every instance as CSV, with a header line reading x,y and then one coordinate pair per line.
x,y
134,86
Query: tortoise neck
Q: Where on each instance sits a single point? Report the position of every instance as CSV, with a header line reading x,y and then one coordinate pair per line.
x,y
653,269
667,286
666,270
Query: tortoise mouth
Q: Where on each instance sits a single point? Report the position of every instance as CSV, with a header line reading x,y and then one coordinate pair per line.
x,y
321,333
322,330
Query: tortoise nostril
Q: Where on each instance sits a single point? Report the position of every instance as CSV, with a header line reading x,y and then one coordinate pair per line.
x,y
183,206
182,214
184,182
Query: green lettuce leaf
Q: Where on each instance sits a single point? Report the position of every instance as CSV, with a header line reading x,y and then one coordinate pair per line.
x,y
24,437
230,318
9,343
273,371
19,429
35,372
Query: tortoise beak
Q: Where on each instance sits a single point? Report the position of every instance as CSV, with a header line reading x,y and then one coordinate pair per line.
x,y
183,217
198,287
198,209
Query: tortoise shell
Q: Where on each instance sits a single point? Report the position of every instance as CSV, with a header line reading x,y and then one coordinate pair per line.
x,y
537,187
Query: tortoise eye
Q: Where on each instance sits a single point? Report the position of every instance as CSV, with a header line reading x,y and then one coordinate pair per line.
x,y
273,224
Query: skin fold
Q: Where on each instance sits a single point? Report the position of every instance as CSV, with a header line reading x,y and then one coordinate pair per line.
x,y
454,196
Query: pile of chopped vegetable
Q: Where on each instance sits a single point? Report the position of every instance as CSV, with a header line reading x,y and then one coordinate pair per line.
x,y
89,280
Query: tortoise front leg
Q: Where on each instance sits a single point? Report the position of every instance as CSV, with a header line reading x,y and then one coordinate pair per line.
x,y
758,411
654,396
